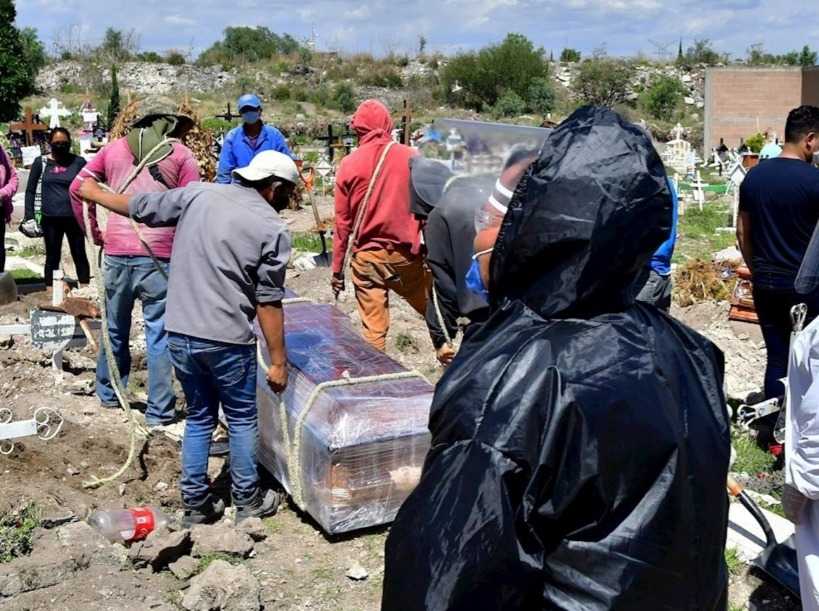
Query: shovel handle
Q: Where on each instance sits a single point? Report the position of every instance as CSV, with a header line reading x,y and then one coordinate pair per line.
x,y
736,490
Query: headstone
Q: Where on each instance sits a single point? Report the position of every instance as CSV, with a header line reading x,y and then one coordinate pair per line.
x,y
30,154
54,111
678,152
55,331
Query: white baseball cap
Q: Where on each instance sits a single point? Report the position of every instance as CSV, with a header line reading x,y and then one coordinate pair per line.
x,y
267,164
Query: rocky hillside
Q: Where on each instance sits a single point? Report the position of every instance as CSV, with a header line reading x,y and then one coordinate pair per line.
x,y
139,77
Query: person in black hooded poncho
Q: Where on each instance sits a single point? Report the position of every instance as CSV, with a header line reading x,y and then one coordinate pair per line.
x,y
580,440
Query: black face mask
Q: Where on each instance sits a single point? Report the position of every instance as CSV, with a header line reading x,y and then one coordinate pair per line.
x,y
281,198
61,149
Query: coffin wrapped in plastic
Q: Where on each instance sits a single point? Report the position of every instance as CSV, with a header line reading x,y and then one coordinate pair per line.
x,y
349,436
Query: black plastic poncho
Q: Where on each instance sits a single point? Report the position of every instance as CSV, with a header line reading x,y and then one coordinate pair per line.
x,y
580,441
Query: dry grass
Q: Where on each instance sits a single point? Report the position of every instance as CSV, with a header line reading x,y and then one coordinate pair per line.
x,y
697,281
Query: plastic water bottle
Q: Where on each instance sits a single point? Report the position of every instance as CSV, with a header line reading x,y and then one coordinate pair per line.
x,y
126,525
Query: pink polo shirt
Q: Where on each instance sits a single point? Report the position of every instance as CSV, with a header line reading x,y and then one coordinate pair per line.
x,y
112,165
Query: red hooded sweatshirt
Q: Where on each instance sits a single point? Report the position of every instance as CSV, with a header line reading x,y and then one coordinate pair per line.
x,y
387,223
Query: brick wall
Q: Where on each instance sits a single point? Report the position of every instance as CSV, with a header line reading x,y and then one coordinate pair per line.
x,y
810,86
740,102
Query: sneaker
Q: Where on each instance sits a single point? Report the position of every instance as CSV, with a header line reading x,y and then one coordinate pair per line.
x,y
114,405
209,511
262,505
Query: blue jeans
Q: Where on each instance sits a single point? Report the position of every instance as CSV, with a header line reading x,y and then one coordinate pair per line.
x,y
212,372
126,280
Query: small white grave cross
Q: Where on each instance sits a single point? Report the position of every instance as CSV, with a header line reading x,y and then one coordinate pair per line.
x,y
699,194
54,110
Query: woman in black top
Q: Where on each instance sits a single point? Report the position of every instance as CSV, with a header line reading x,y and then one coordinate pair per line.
x,y
61,166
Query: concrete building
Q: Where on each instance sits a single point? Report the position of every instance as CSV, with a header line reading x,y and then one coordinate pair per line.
x,y
742,101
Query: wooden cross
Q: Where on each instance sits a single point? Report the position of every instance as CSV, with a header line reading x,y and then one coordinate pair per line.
x,y
228,116
28,127
406,124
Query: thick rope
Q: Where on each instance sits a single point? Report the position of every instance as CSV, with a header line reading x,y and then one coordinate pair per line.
x,y
293,446
440,317
135,428
294,471
359,217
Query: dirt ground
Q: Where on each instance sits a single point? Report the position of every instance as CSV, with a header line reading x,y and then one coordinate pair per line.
x,y
297,566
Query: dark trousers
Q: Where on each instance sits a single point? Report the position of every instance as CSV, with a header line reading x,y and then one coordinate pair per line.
x,y
773,306
54,228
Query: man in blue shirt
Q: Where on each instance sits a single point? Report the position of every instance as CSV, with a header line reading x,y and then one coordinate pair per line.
x,y
657,289
252,137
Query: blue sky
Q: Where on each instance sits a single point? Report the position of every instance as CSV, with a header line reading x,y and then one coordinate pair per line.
x,y
622,27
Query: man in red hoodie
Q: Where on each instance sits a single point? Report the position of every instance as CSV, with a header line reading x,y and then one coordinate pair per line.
x,y
385,249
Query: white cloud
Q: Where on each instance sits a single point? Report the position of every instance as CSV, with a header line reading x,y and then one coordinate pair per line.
x,y
179,20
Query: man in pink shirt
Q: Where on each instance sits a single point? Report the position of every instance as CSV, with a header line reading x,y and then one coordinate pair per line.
x,y
130,272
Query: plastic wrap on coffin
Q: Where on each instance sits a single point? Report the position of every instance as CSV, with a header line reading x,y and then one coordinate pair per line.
x,y
359,450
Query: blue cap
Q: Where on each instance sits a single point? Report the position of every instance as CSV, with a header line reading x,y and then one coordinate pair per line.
x,y
250,100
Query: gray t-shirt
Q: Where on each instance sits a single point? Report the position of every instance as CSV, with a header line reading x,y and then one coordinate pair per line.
x,y
230,253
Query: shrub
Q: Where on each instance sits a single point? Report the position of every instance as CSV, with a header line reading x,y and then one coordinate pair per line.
x,y
175,58
344,98
541,96
662,97
602,81
570,55
755,142
281,92
150,56
510,104
485,76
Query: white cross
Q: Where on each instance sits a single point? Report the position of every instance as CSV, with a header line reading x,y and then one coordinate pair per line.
x,y
55,111
678,132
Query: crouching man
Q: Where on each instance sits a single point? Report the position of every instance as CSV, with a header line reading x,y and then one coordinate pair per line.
x,y
227,268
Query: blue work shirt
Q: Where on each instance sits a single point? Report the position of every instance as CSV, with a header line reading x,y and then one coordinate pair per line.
x,y
237,150
661,261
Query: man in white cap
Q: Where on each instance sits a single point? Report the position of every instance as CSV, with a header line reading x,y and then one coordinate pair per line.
x,y
227,268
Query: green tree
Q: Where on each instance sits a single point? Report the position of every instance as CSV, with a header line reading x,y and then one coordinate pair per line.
x,y
541,96
478,79
510,104
662,97
702,53
113,102
680,55
150,56
422,44
16,75
33,49
248,44
344,98
602,81
175,58
570,56
807,57
118,46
